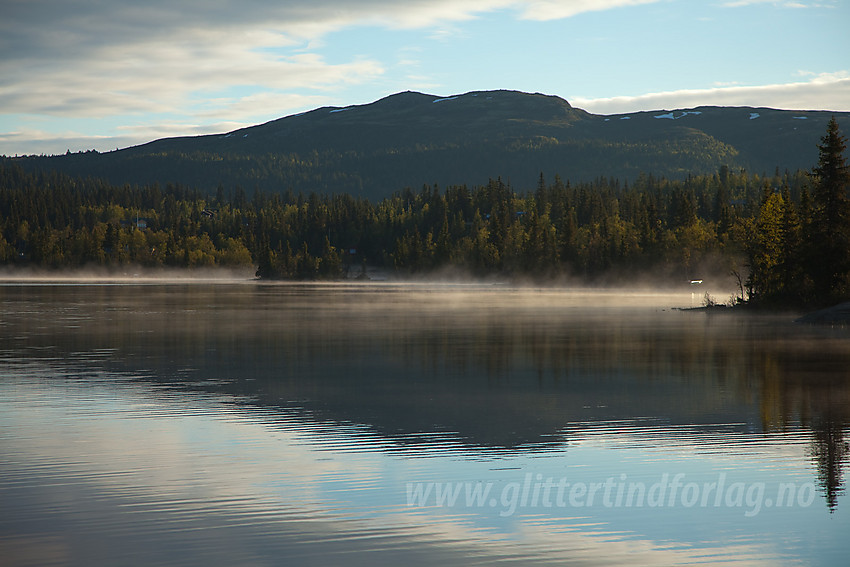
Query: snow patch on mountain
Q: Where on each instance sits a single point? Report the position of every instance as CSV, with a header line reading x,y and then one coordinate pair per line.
x,y
672,115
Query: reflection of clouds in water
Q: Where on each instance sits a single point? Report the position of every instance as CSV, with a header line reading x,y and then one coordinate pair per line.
x,y
193,464
170,440
724,444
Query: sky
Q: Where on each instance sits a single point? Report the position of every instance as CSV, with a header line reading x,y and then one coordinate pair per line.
x,y
106,74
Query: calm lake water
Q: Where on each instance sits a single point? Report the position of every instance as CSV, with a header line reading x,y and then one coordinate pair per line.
x,y
381,424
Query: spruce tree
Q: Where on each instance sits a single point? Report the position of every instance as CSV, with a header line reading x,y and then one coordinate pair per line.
x,y
829,230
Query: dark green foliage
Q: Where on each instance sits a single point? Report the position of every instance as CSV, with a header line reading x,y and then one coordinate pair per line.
x,y
829,226
799,251
408,139
589,229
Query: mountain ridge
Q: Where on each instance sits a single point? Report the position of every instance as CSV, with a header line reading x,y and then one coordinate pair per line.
x,y
410,139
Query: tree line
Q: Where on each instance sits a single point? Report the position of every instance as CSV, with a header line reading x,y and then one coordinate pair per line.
x,y
789,230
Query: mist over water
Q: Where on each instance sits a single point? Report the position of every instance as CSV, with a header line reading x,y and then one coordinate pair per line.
x,y
244,422
126,275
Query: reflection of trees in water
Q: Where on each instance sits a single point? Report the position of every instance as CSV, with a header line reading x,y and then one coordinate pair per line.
x,y
830,451
809,383
498,376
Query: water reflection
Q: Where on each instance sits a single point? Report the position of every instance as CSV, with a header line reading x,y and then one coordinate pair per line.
x,y
499,368
305,409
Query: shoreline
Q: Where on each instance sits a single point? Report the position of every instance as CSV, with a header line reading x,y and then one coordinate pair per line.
x,y
836,315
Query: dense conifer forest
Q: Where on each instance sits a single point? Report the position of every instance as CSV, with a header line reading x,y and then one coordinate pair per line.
x,y
787,235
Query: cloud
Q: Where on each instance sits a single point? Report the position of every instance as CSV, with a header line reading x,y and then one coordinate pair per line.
x,y
28,141
213,117
557,9
33,141
150,76
96,58
825,91
258,106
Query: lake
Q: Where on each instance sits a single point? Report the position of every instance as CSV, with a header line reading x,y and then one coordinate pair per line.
x,y
246,423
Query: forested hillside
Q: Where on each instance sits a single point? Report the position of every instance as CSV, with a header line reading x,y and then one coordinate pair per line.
x,y
585,229
786,236
414,139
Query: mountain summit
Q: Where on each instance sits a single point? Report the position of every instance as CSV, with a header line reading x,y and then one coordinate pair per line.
x,y
409,139
400,121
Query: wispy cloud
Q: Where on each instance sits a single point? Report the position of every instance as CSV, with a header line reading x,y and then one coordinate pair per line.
x,y
558,9
33,141
165,77
824,91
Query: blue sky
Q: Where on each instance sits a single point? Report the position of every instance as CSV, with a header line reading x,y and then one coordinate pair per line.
x,y
103,74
